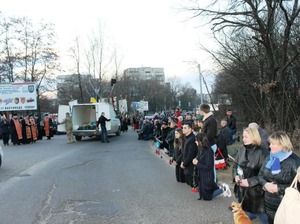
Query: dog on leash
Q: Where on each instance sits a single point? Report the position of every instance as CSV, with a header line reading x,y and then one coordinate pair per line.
x,y
239,215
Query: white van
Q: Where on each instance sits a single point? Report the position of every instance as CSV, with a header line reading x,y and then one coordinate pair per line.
x,y
85,117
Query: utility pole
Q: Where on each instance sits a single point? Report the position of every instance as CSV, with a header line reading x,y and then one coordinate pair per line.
x,y
200,81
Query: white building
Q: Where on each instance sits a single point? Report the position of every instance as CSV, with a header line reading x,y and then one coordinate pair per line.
x,y
146,73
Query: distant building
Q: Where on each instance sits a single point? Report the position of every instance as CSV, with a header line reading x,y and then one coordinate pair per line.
x,y
146,73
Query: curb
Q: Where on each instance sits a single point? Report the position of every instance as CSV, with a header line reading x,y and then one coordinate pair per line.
x,y
161,154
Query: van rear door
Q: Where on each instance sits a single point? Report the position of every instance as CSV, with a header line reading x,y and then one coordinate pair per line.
x,y
62,110
115,121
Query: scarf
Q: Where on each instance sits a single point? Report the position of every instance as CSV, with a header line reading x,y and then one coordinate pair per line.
x,y
275,158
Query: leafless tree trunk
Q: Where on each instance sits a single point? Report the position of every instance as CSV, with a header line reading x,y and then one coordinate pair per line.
x,y
265,35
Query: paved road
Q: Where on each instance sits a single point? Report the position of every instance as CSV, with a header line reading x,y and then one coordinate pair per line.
x,y
89,182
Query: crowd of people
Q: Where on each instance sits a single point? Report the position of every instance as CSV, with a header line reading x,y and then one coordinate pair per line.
x,y
25,129
265,164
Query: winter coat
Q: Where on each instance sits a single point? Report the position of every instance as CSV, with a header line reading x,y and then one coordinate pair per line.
x,y
189,153
164,135
205,166
231,122
4,126
264,135
170,139
283,180
210,128
250,159
225,134
102,121
223,140
177,155
157,130
68,123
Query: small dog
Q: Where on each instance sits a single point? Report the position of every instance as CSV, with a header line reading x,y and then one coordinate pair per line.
x,y
239,215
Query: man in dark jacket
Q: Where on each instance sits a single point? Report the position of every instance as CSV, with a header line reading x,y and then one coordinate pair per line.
x,y
231,123
147,131
102,121
209,124
171,137
4,130
190,152
210,128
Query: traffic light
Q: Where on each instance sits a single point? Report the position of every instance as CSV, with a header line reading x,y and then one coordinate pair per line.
x,y
113,81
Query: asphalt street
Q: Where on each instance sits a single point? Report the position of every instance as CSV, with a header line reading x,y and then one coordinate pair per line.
x,y
89,182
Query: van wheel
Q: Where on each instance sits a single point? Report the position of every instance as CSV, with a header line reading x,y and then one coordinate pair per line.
x,y
78,138
118,133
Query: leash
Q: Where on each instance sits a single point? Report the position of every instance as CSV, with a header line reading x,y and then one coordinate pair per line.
x,y
245,192
244,195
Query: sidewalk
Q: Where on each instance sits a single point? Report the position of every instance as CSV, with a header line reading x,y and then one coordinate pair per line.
x,y
224,175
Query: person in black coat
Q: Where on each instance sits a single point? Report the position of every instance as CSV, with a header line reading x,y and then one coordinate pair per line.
x,y
39,127
223,140
248,162
278,171
177,155
231,122
164,133
208,189
170,138
124,125
4,127
189,153
210,128
157,128
102,122
147,131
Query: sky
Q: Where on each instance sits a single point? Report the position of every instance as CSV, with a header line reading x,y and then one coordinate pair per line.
x,y
147,33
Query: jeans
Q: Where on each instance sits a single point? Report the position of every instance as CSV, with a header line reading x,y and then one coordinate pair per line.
x,y
103,134
214,148
232,133
217,192
263,218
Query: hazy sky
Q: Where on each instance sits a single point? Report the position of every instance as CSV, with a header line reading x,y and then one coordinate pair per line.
x,y
149,33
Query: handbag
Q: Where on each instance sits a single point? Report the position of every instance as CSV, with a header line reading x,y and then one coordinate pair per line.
x,y
157,144
288,210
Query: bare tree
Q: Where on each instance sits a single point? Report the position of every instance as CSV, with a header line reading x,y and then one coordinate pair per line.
x,y
176,89
269,29
75,54
28,52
